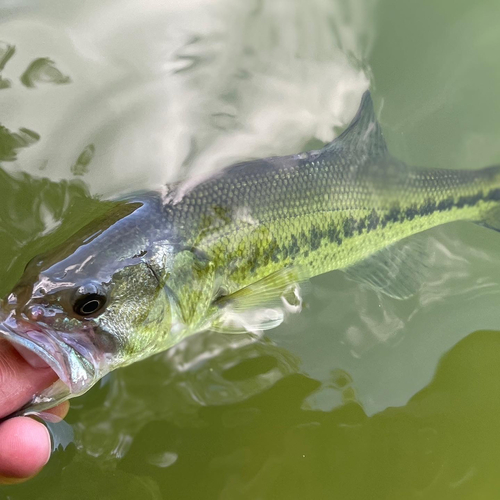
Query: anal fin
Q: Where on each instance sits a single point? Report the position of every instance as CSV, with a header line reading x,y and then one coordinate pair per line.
x,y
397,271
492,219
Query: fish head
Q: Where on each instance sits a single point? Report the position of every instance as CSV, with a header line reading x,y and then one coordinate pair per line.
x,y
88,307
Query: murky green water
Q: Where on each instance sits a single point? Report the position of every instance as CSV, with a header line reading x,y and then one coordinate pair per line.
x,y
359,396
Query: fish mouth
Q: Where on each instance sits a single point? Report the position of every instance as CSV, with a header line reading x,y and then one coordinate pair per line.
x,y
71,357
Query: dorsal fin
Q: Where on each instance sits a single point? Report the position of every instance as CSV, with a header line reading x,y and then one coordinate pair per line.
x,y
363,135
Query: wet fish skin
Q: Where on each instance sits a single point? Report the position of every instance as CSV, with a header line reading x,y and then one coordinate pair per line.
x,y
174,263
318,211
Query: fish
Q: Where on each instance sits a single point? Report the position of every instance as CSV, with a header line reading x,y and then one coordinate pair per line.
x,y
231,252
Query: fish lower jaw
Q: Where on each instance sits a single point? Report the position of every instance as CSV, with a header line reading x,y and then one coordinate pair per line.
x,y
30,357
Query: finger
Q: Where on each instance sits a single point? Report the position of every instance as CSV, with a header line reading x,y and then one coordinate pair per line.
x,y
24,449
19,381
60,410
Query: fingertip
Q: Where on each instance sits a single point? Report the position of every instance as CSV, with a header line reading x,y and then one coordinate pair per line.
x,y
60,410
24,448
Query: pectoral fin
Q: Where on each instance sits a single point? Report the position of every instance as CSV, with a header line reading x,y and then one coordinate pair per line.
x,y
249,321
261,305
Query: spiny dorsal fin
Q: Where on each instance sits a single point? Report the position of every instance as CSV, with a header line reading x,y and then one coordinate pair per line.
x,y
363,135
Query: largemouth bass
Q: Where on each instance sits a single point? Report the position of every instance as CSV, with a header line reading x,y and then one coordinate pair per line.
x,y
229,252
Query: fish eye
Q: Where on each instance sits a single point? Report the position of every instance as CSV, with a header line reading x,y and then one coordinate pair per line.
x,y
89,300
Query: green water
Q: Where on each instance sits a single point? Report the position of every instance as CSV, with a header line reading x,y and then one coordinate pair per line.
x,y
359,396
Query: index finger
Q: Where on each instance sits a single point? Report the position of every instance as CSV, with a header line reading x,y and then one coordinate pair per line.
x,y
19,381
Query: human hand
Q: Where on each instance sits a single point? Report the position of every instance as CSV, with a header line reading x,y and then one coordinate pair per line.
x,y
24,443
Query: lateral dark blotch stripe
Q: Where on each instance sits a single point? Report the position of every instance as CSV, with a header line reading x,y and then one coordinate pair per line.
x,y
333,234
446,204
349,227
253,262
469,200
430,206
373,220
316,237
361,224
276,250
293,248
411,212
269,252
493,195
427,208
394,215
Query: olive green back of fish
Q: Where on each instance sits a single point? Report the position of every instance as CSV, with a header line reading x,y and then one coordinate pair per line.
x,y
230,252
321,210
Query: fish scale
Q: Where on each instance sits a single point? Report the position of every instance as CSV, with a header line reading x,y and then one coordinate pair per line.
x,y
229,251
326,209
